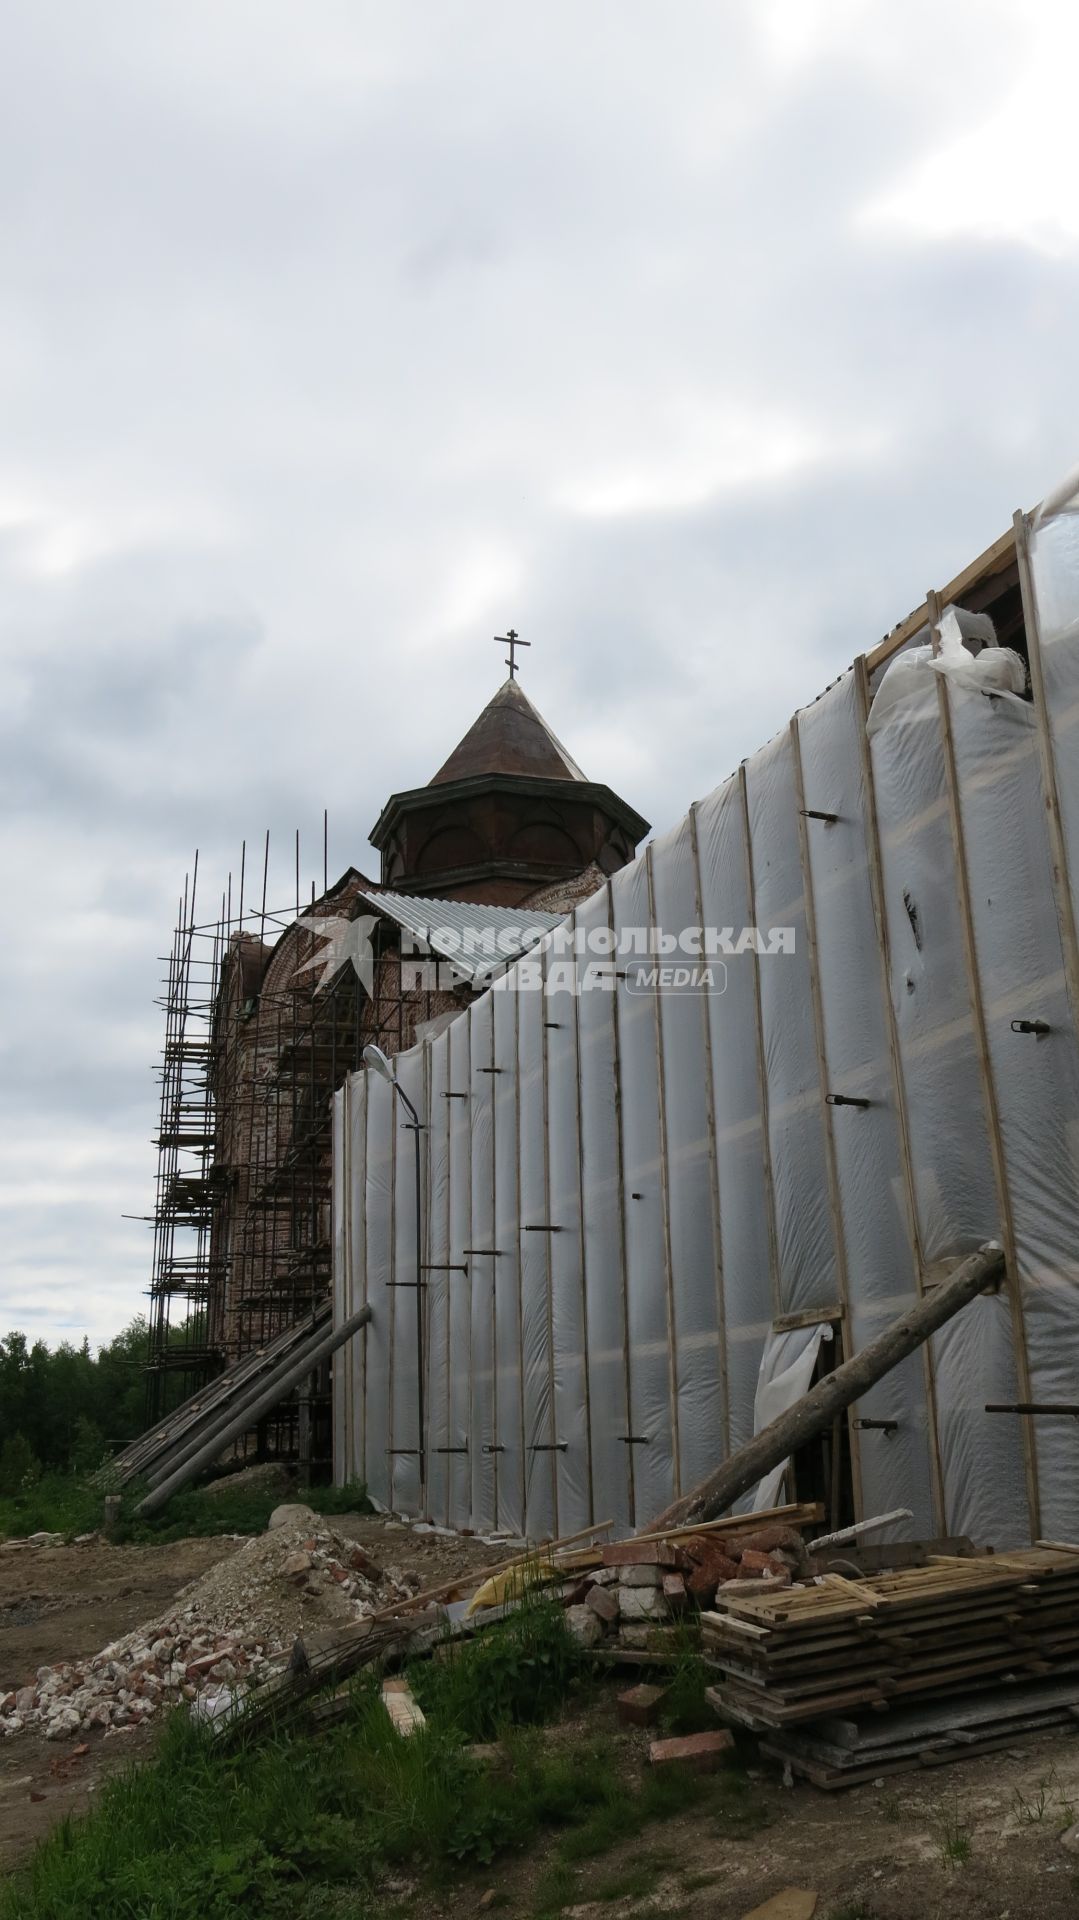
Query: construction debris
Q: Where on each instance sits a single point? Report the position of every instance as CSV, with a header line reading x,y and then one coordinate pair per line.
x,y
700,1752
226,1633
406,1714
640,1706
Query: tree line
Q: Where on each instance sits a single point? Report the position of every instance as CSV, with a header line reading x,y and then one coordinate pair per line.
x,y
65,1409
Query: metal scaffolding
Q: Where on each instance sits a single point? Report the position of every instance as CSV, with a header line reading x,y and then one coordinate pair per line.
x,y
256,1043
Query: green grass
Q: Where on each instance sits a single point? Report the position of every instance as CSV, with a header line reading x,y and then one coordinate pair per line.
x,y
57,1503
308,1826
65,1503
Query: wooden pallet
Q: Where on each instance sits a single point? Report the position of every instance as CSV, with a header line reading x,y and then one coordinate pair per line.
x,y
838,1645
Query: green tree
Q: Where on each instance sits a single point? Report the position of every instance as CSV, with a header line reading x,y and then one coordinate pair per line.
x,y
17,1464
88,1445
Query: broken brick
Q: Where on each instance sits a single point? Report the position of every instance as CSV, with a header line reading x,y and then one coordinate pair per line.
x,y
710,1566
759,1563
674,1591
641,1553
640,1706
641,1577
603,1602
701,1752
768,1539
751,1584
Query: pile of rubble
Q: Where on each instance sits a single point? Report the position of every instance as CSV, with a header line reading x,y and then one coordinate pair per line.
x,y
645,1587
35,1541
226,1632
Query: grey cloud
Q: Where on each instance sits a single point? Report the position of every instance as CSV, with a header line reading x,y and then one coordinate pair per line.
x,y
321,334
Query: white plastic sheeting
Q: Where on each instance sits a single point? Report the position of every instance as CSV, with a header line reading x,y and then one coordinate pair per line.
x,y
787,1368
634,1191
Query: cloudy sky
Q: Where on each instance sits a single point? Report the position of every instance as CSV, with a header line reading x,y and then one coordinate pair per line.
x,y
693,340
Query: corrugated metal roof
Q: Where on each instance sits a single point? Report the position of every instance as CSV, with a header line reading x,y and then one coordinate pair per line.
x,y
474,938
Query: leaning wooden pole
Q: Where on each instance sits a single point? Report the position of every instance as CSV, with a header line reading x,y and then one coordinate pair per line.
x,y
837,1391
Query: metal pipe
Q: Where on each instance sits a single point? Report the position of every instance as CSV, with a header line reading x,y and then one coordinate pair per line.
x,y
252,1410
165,1463
196,1417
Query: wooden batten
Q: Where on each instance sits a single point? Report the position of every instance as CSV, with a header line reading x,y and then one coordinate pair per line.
x,y
994,560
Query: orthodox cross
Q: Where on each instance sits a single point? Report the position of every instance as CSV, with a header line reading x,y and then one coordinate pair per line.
x,y
511,641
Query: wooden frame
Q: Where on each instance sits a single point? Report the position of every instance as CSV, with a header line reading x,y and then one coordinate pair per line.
x,y
899,1091
985,1067
994,560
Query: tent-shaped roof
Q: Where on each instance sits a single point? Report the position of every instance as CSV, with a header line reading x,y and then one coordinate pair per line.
x,y
509,737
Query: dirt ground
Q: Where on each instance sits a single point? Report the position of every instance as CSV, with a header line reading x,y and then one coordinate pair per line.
x,y
66,1603
885,1852
978,1840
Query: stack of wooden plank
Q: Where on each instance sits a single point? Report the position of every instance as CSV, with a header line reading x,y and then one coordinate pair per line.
x,y
886,1640
849,1752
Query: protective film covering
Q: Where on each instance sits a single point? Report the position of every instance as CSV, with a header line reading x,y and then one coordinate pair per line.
x,y
437,1278
805,1246
633,1182
688,1156
355,1255
508,1423
480,1257
569,1330
1035,1074
541,1437
787,1367
650,1309
731,1062
404,1300
897,1465
981,1462
342,1361
459,1429
376,1171
604,1238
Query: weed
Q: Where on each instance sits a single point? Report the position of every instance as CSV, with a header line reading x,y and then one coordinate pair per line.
x,y
685,1709
953,1836
1034,1809
1048,1801
891,1808
516,1673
